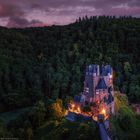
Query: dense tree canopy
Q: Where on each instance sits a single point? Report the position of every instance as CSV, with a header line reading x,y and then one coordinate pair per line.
x,y
50,61
39,65
125,124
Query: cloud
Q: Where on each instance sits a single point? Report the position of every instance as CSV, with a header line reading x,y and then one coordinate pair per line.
x,y
7,10
23,12
22,22
89,7
15,13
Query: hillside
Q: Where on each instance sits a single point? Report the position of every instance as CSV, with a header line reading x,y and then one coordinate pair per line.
x,y
41,69
49,61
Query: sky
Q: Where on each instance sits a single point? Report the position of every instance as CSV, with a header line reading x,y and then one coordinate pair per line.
x,y
32,13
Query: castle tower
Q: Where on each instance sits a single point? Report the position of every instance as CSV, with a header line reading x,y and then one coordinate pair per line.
x,y
98,86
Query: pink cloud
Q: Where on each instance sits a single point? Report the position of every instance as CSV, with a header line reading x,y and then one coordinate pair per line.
x,y
125,11
62,12
23,22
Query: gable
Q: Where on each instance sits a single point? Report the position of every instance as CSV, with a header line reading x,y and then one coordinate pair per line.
x,y
101,84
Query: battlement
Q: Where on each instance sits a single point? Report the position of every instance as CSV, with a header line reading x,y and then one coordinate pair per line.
x,y
98,93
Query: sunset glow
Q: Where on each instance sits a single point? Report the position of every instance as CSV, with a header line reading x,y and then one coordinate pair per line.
x,y
23,13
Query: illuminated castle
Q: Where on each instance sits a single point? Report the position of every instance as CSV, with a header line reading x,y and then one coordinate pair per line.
x,y
98,91
98,87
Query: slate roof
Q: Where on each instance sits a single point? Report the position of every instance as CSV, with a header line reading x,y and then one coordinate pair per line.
x,y
108,69
91,69
103,132
104,69
77,98
77,117
110,97
101,84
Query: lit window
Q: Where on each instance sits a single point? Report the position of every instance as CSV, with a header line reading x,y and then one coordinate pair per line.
x,y
110,76
97,91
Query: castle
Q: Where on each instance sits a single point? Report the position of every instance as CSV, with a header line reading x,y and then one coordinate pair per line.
x,y
98,92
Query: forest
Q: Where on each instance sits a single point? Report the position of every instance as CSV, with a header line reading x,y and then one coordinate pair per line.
x,y
41,67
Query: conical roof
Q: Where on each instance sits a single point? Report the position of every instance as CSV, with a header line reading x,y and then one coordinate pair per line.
x,y
101,84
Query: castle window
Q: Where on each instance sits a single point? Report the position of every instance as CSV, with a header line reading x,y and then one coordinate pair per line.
x,y
97,91
94,74
87,90
110,76
100,91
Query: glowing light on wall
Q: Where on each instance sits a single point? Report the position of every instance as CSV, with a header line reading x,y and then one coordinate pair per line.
x,y
78,109
66,112
110,76
103,111
72,105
